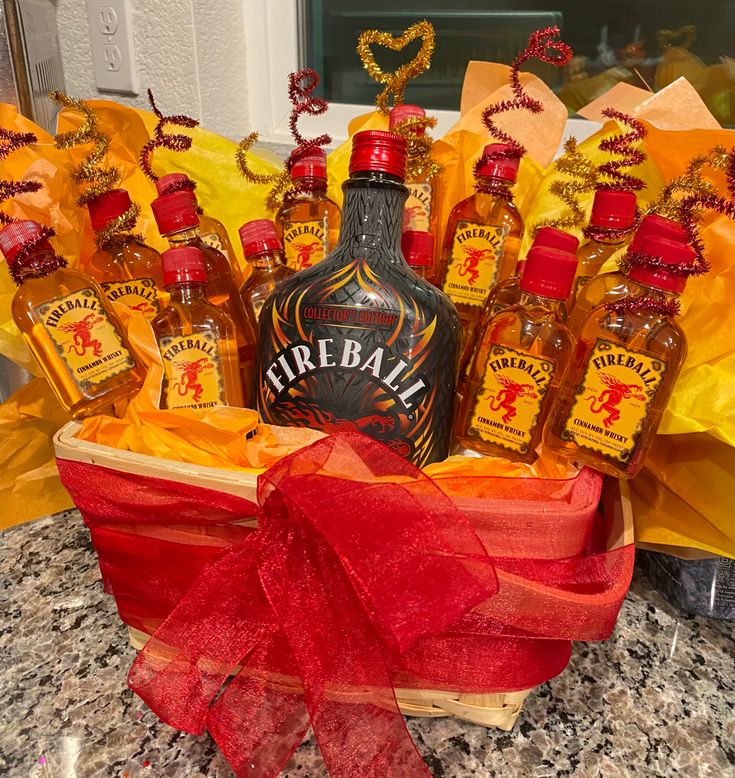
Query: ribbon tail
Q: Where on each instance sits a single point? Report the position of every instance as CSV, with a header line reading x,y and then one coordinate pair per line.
x,y
218,622
341,662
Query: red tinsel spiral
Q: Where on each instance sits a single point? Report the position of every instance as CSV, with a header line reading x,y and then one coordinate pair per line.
x,y
540,45
11,141
163,139
630,156
51,261
645,304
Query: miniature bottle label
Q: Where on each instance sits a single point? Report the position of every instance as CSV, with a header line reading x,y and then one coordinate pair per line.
x,y
85,338
473,264
192,371
305,243
509,404
613,399
140,294
417,213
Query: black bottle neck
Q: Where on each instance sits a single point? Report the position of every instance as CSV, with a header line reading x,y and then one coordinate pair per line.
x,y
372,215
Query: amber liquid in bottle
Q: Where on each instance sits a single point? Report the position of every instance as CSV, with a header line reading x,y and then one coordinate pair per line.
x,y
222,292
198,347
592,255
602,289
517,367
480,249
75,337
611,401
214,234
130,273
308,224
268,271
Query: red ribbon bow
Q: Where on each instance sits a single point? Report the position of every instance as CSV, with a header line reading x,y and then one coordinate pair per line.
x,y
362,575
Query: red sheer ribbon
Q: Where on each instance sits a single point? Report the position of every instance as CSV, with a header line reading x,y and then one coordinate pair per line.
x,y
362,575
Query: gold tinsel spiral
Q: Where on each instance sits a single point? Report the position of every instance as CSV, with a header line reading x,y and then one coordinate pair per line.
x,y
396,82
280,180
418,144
11,141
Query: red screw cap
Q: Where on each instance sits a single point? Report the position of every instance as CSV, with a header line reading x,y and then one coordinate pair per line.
x,y
653,224
183,264
418,248
402,112
552,238
311,165
258,237
16,235
378,151
175,212
671,252
549,272
613,208
174,182
107,207
505,167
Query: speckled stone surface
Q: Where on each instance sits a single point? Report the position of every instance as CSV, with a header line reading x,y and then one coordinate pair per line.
x,y
658,699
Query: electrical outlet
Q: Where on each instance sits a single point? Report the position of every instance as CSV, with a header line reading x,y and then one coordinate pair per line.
x,y
111,36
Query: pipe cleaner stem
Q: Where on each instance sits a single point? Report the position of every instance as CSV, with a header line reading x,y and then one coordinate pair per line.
x,y
163,139
11,141
623,146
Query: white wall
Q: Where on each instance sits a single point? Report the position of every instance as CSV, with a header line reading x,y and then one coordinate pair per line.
x,y
191,53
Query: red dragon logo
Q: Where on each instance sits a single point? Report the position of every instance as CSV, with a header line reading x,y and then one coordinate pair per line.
x,y
507,397
409,214
305,253
144,307
189,381
610,398
472,261
82,335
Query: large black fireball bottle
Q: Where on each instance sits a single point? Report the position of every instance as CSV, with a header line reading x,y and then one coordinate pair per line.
x,y
360,342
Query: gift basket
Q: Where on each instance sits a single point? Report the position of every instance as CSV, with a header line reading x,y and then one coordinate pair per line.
x,y
388,452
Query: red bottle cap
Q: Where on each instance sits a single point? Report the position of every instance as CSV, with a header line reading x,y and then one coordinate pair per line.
x,y
552,238
378,151
175,212
174,182
549,272
653,224
418,248
499,166
311,165
16,235
183,264
107,207
402,112
613,208
671,252
259,236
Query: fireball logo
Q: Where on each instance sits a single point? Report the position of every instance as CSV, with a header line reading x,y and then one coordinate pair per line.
x,y
305,253
189,381
610,398
144,307
472,260
82,339
508,396
411,213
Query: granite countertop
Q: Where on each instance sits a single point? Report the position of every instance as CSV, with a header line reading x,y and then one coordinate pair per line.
x,y
657,699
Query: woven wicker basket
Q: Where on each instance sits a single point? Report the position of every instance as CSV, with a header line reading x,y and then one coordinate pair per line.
x,y
490,710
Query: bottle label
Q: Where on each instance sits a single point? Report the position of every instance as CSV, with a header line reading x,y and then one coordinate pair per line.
x,y
473,264
192,371
613,399
417,213
139,294
85,338
509,404
305,243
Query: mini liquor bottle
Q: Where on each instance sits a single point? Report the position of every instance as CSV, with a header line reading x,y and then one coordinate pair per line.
x,y
519,361
127,269
418,249
483,237
610,403
360,342
196,339
211,230
608,287
417,215
264,251
508,293
308,221
69,325
611,226
178,222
